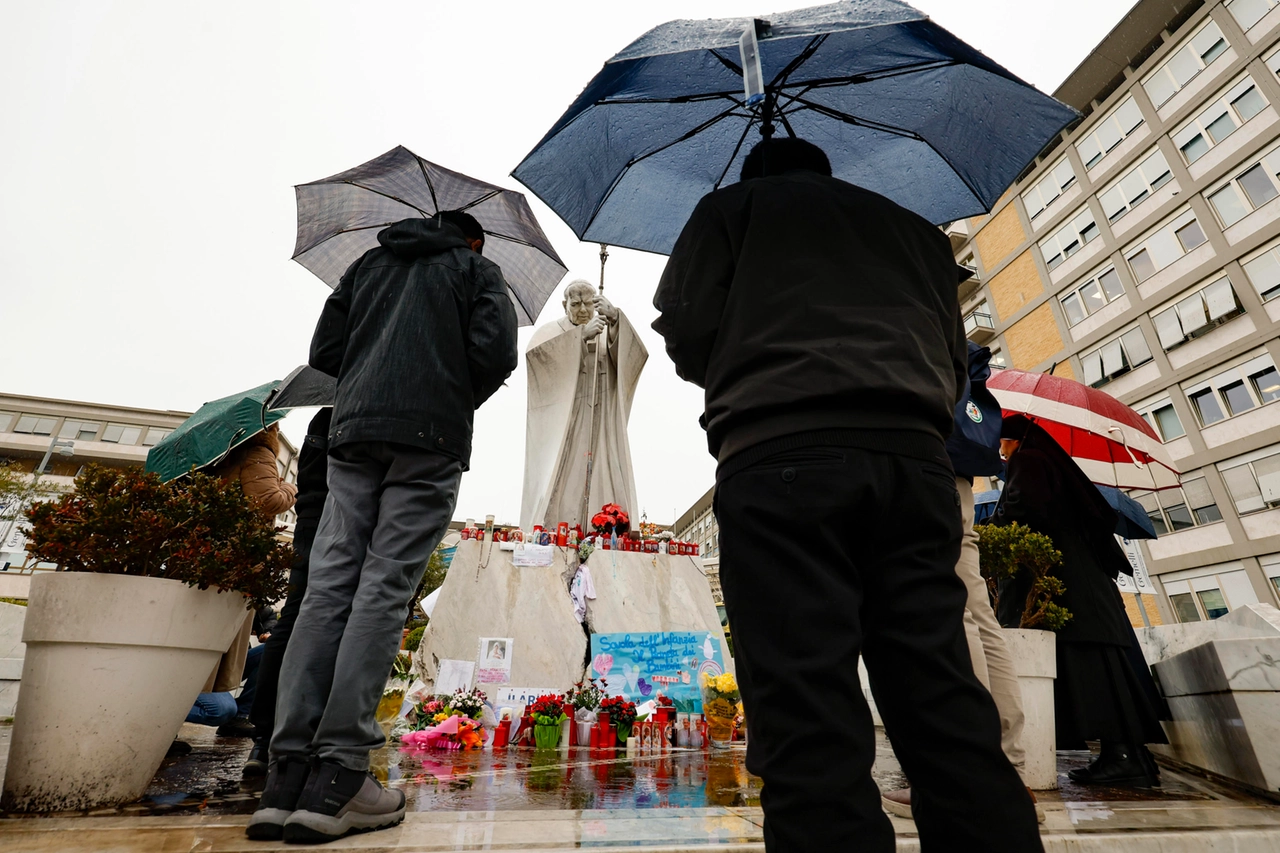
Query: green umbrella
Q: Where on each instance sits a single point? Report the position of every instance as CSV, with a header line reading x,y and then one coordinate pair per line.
x,y
213,432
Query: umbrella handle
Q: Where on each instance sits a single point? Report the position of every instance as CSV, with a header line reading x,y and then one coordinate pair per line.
x,y
1125,444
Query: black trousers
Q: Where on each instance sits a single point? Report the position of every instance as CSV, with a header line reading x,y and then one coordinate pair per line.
x,y
263,713
828,553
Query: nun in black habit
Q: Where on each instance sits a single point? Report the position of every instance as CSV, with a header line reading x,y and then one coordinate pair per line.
x,y
1099,694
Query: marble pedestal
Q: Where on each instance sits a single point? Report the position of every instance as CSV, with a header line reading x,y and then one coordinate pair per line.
x,y
12,652
1225,699
486,595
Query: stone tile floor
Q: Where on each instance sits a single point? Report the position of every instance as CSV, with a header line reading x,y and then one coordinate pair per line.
x,y
570,800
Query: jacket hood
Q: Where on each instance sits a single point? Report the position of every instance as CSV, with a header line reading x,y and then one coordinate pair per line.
x,y
419,237
979,363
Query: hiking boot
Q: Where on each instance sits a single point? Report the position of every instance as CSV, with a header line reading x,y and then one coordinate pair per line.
x,y
285,780
338,802
239,727
256,763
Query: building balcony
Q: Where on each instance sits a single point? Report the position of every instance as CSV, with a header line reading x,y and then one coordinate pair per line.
x,y
979,328
958,233
970,285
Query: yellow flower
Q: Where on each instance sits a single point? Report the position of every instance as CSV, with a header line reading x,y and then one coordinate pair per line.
x,y
726,683
440,718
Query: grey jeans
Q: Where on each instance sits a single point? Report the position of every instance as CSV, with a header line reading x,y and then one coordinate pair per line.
x,y
388,508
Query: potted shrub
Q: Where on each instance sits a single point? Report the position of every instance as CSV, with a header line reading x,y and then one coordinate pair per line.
x,y
1014,551
548,716
155,579
622,715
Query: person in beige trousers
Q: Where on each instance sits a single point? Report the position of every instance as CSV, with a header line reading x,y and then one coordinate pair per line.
x,y
974,450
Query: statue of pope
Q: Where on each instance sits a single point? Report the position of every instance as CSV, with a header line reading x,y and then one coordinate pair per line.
x,y
583,369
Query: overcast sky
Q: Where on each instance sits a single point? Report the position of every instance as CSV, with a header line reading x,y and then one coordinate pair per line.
x,y
150,150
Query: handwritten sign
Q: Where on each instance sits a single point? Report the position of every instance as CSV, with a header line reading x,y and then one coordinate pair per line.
x,y
454,675
532,555
643,666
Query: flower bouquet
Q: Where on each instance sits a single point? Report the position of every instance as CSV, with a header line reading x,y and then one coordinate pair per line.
x,y
720,698
468,703
454,732
584,698
611,520
622,714
548,715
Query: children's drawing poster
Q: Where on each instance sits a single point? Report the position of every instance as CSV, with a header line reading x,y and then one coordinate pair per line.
x,y
644,666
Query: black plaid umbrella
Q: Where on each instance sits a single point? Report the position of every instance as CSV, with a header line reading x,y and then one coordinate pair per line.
x,y
339,218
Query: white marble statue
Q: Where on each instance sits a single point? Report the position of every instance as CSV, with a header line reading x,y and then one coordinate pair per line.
x,y
583,370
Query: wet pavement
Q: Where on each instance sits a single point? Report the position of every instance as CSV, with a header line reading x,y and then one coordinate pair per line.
x,y
681,800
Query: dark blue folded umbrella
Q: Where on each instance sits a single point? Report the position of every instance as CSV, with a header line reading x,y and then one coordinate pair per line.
x,y
901,107
1132,521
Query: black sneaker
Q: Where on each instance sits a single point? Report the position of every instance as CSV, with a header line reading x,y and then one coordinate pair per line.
x,y
338,802
239,727
256,764
285,780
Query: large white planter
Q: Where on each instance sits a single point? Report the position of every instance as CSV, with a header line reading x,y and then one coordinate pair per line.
x,y
1035,662
112,667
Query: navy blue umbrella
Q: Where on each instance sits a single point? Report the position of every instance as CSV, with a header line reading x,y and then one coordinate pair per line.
x,y
1132,521
901,107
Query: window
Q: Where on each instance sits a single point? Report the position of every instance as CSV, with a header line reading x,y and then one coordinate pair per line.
x,y
1068,239
122,434
79,430
1266,384
999,360
1236,391
1088,298
1249,12
1250,189
1254,483
1192,57
1048,188
35,425
1167,244
6,420
1219,120
1164,420
1135,187
1171,510
1213,602
1197,314
1115,357
1264,272
1184,607
155,435
1108,133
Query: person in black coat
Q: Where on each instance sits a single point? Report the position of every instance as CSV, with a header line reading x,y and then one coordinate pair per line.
x,y
1098,694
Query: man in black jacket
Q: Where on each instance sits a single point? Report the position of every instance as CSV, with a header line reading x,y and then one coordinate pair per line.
x,y
420,332
822,321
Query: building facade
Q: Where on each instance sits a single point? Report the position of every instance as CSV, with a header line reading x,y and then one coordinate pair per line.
x,y
1140,254
75,434
698,524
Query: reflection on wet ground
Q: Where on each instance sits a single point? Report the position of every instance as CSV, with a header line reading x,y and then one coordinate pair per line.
x,y
209,782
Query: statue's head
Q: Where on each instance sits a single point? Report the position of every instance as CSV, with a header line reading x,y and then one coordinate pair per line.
x,y
580,301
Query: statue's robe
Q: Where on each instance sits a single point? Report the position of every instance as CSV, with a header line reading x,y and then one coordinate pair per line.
x,y
559,428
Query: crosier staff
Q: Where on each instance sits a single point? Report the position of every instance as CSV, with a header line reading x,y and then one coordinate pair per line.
x,y
595,415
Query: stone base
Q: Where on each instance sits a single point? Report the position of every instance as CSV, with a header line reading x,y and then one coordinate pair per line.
x,y
1225,699
1035,662
486,595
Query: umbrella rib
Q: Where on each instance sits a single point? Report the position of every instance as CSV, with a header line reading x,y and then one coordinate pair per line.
x,y
734,155
799,59
430,186
480,200
726,62
687,135
390,196
830,112
350,230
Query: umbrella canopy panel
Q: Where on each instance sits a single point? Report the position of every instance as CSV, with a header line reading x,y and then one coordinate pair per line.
x,y
901,107
339,218
1111,442
217,428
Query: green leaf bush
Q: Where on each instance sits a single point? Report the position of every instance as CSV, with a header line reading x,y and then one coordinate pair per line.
x,y
197,530
414,639
1012,550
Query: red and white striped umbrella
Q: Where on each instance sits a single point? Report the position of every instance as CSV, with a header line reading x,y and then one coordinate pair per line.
x,y
1110,442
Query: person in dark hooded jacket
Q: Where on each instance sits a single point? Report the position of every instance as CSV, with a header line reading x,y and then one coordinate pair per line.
x,y
420,332
1098,694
